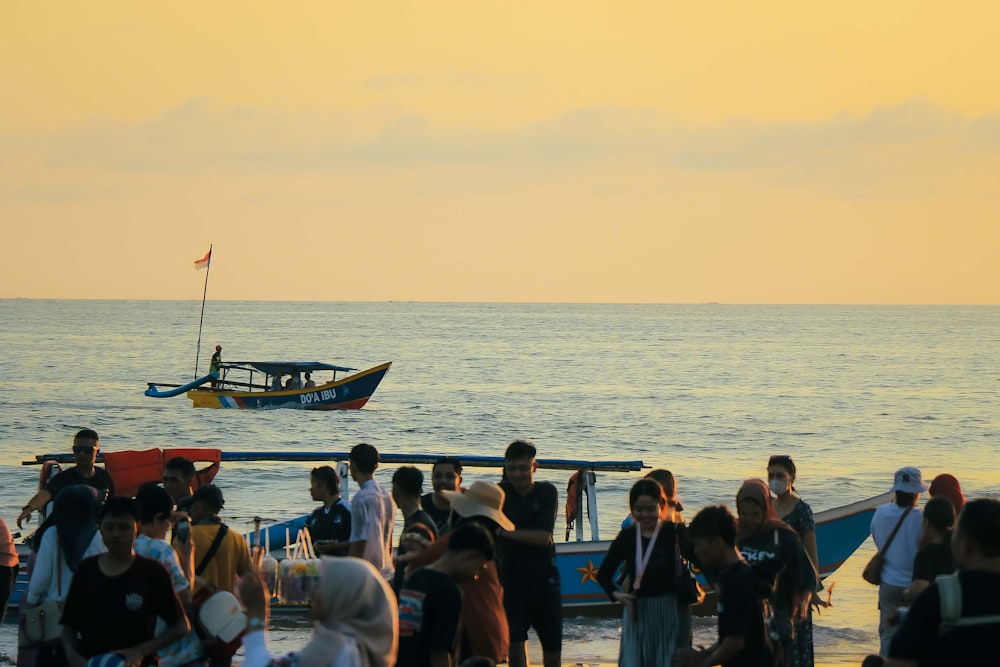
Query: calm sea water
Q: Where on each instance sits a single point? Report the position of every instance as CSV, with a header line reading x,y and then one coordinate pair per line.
x,y
708,391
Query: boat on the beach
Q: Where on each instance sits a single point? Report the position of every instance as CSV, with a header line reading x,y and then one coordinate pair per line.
x,y
839,531
234,386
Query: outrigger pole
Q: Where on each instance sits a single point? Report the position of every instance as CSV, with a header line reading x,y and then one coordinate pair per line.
x,y
201,320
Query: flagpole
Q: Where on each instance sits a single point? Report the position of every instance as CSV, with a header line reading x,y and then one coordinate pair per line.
x,y
201,320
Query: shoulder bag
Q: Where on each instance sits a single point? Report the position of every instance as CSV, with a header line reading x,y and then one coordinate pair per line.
x,y
873,570
38,626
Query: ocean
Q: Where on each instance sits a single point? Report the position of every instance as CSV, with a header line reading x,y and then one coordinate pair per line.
x,y
709,391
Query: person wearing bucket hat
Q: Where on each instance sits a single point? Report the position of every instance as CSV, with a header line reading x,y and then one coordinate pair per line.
x,y
483,630
897,570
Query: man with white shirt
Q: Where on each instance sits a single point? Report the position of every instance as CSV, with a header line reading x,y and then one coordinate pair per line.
x,y
371,512
897,570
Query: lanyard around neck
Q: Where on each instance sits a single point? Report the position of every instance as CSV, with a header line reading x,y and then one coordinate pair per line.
x,y
642,559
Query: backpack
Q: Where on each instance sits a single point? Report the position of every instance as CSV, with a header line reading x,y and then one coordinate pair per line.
x,y
950,591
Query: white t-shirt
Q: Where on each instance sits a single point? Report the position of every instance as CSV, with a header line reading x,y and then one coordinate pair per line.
x,y
44,584
371,521
898,569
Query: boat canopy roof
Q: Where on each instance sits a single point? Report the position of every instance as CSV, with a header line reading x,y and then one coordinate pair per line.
x,y
285,367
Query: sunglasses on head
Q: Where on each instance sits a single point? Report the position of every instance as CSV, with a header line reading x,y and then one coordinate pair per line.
x,y
80,449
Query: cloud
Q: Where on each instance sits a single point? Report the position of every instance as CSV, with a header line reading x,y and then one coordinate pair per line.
x,y
890,152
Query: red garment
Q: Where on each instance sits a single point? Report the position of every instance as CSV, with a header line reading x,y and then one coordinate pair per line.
x,y
483,620
947,486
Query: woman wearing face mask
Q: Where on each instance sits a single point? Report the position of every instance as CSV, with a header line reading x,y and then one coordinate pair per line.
x,y
796,513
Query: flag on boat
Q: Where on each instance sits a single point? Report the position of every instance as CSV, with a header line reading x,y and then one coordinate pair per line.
x,y
204,261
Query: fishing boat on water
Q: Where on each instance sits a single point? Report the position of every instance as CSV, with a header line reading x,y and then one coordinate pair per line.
x,y
262,385
839,531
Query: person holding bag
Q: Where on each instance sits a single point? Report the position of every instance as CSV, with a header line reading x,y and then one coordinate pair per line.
x,y
651,626
896,530
72,537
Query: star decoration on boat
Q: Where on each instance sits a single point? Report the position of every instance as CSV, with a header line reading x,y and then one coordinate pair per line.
x,y
589,572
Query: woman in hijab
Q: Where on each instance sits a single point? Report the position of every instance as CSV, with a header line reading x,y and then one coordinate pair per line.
x,y
355,619
73,537
947,486
775,553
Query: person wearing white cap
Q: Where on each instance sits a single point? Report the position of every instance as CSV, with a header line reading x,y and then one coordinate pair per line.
x,y
904,520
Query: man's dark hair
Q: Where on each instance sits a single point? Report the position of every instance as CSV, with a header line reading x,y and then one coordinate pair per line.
x,y
409,480
120,506
327,476
712,522
153,501
520,449
939,513
87,434
209,494
905,499
365,458
980,522
448,461
471,537
182,465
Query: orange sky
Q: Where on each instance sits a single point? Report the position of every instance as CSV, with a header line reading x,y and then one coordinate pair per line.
x,y
780,152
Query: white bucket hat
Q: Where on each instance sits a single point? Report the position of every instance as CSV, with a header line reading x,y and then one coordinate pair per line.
x,y
908,480
222,616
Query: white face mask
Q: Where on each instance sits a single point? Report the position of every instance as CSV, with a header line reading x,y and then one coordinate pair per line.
x,y
778,486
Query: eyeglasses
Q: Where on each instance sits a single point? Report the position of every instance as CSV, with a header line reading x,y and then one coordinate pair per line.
x,y
82,449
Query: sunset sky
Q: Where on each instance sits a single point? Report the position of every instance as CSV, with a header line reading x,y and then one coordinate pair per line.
x,y
774,152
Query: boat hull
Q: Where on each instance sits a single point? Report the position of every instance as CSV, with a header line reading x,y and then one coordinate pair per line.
x,y
350,393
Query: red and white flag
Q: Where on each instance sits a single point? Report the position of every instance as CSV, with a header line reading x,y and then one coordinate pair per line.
x,y
203,262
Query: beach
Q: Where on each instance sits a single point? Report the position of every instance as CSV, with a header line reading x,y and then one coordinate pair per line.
x,y
710,392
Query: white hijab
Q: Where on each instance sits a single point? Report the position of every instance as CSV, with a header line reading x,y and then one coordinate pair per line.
x,y
357,603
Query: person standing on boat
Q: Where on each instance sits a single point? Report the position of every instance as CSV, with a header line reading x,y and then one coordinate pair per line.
x,y
446,475
532,593
371,512
329,524
897,569
651,625
407,484
796,513
85,449
215,367
309,383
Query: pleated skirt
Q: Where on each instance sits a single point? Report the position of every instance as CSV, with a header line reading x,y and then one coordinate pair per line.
x,y
650,637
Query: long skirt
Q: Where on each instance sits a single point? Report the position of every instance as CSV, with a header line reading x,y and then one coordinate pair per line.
x,y
650,635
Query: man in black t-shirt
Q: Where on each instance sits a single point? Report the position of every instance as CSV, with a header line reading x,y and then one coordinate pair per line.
x,y
446,475
532,594
927,639
407,483
114,599
85,448
329,524
742,640
430,601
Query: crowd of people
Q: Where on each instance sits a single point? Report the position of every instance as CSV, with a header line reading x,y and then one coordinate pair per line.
x,y
474,571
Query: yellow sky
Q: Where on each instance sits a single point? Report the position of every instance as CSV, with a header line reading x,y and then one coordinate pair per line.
x,y
781,152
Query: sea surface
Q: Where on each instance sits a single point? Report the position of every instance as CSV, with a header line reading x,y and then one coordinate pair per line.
x,y
708,391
